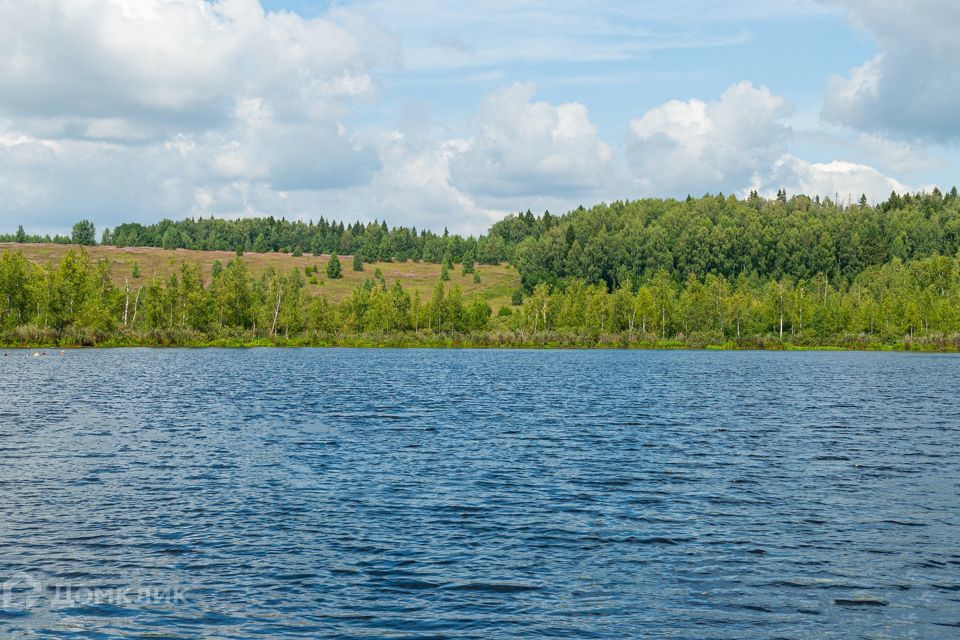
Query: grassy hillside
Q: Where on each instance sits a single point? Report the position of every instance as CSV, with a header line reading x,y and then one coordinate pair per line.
x,y
497,282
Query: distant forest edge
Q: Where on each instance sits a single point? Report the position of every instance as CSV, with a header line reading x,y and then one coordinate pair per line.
x,y
616,243
712,271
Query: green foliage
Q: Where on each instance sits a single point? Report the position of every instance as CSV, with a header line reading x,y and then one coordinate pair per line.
x,y
84,234
619,243
171,239
476,278
357,262
715,270
21,236
135,270
260,245
373,241
913,304
334,270
797,237
298,252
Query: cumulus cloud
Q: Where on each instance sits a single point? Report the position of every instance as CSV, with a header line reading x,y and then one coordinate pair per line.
x,y
698,146
911,86
741,142
835,179
127,68
415,185
123,109
521,147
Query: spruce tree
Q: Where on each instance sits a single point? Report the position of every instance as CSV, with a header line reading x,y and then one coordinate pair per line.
x,y
334,270
357,262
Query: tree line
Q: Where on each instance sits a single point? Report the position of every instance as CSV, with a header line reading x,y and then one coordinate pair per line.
x,y
913,303
371,242
622,243
617,244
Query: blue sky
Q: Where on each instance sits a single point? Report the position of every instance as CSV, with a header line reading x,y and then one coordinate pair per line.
x,y
443,114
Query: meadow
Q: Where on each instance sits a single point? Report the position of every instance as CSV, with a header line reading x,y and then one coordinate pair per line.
x,y
497,282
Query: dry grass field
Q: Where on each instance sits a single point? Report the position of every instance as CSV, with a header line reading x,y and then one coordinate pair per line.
x,y
497,282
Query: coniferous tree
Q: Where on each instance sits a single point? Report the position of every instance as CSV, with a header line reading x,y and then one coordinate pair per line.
x,y
357,262
334,270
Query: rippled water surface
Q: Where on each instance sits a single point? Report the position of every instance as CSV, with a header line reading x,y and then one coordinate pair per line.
x,y
479,494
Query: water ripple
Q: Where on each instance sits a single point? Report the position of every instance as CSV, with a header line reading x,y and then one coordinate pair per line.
x,y
479,494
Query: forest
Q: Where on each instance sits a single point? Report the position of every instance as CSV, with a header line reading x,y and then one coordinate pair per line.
x,y
710,272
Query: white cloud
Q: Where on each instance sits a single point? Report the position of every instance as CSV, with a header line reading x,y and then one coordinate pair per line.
x,y
415,185
697,146
106,68
835,179
139,109
521,147
741,142
135,109
911,86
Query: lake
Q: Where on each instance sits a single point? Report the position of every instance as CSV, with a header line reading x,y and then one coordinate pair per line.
x,y
479,494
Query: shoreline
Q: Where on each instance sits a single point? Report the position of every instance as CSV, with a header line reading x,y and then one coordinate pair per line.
x,y
467,343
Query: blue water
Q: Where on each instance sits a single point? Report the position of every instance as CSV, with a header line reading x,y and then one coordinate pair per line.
x,y
479,494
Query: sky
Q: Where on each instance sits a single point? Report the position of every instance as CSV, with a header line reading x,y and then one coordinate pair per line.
x,y
453,114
